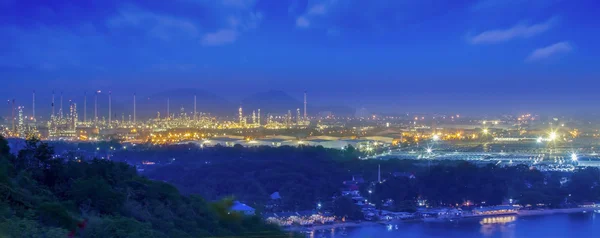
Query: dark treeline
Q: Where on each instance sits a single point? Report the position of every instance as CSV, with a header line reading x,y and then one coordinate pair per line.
x,y
305,176
42,195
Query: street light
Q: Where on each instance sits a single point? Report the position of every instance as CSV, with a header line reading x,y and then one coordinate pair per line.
x,y
574,157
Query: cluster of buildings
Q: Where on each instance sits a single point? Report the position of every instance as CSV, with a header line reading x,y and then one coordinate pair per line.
x,y
70,126
276,141
303,218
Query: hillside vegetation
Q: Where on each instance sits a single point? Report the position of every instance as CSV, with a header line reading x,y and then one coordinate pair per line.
x,y
42,195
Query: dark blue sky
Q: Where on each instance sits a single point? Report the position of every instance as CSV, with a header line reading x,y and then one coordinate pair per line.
x,y
396,55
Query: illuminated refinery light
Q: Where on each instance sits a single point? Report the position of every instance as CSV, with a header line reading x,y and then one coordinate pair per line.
x,y
539,139
552,136
436,137
485,131
574,157
429,150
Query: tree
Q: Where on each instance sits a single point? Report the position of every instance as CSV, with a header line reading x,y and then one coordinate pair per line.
x,y
345,207
42,195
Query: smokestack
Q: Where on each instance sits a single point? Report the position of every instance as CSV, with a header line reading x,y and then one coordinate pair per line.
x,y
195,117
168,108
13,115
379,173
60,110
96,107
52,104
33,108
241,115
258,117
109,107
305,117
85,107
134,109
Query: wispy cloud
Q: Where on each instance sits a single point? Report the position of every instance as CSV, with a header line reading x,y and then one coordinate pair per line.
x,y
302,22
161,26
546,52
232,18
314,11
318,9
517,31
221,37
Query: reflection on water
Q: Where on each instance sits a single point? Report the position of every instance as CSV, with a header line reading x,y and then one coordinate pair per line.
x,y
497,220
491,225
560,225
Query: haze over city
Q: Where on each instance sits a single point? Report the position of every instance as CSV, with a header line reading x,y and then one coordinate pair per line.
x,y
386,56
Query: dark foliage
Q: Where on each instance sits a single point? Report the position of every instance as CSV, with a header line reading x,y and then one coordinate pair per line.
x,y
46,196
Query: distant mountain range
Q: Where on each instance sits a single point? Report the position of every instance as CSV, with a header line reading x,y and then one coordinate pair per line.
x,y
273,101
279,102
184,98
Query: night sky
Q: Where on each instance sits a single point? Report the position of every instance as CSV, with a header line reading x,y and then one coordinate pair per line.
x,y
399,55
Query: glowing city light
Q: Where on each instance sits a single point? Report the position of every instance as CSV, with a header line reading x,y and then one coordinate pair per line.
x,y
553,135
436,137
574,157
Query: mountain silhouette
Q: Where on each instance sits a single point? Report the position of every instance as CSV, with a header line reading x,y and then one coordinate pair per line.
x,y
273,101
279,102
206,102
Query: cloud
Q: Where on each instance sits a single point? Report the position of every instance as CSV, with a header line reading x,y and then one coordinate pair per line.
x,y
229,20
236,25
517,31
318,9
161,26
302,22
546,52
314,12
221,37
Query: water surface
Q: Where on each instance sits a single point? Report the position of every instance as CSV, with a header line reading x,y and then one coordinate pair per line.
x,y
560,225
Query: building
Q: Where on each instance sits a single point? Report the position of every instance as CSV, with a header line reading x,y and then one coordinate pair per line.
x,y
303,218
496,210
243,208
